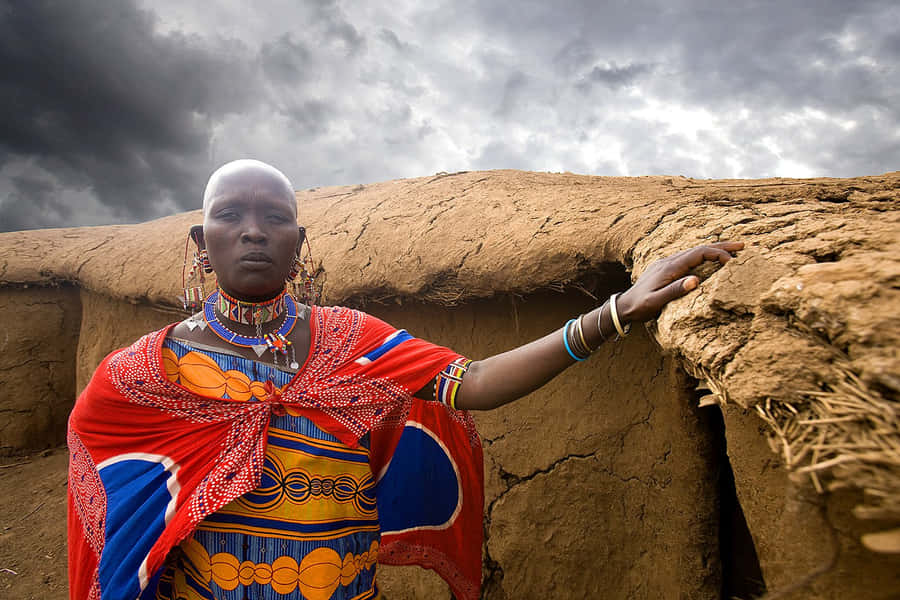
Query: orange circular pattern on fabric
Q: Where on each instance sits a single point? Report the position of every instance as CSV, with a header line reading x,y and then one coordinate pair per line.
x,y
170,364
245,572
258,389
237,385
200,374
349,570
263,573
320,573
198,556
284,574
224,568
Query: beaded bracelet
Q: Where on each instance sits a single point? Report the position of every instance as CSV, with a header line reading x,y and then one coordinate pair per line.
x,y
448,381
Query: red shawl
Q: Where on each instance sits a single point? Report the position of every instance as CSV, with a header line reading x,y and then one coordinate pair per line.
x,y
149,459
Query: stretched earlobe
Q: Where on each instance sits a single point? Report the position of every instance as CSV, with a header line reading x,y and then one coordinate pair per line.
x,y
202,255
311,278
196,234
301,239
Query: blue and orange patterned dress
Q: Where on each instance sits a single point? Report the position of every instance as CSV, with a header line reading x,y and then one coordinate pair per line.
x,y
195,473
309,530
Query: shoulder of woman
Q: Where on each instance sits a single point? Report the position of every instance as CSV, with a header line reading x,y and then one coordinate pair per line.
x,y
337,313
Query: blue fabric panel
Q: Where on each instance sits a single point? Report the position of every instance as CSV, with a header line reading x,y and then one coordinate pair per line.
x,y
420,486
136,500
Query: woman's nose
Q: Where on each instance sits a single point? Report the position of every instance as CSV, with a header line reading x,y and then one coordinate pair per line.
x,y
253,232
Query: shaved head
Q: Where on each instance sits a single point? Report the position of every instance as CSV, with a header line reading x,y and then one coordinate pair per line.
x,y
245,173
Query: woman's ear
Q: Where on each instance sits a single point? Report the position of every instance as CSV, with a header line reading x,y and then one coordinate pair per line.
x,y
197,235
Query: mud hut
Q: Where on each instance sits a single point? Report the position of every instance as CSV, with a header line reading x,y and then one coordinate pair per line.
x,y
748,440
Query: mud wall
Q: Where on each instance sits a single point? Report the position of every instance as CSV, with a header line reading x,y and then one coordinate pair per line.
x,y
52,340
38,349
108,324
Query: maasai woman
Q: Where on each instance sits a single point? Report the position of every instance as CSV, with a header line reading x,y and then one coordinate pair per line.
x,y
267,449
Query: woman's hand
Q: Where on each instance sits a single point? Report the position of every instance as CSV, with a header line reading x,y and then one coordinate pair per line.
x,y
667,279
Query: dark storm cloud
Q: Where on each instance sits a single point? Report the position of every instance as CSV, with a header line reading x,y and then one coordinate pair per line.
x,y
93,97
513,89
113,113
34,203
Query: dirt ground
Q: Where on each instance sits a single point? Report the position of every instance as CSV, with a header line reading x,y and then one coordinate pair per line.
x,y
33,526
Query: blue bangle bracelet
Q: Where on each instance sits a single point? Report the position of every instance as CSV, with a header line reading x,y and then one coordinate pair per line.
x,y
566,341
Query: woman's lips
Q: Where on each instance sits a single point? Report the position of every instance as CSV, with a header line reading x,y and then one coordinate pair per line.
x,y
256,259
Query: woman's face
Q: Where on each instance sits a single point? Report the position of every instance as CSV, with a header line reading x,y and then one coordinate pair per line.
x,y
250,231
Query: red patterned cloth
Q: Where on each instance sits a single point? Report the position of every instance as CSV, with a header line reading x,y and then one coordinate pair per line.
x,y
149,458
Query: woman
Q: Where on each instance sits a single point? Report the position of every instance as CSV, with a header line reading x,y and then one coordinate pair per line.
x,y
265,449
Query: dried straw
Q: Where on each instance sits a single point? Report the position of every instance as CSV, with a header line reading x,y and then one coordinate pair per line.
x,y
846,435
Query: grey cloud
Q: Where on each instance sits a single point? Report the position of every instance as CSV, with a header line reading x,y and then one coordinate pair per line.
x,y
286,60
95,97
310,118
513,90
613,75
391,39
328,21
500,154
33,202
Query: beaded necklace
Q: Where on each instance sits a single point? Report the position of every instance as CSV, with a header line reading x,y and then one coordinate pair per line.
x,y
250,313
276,342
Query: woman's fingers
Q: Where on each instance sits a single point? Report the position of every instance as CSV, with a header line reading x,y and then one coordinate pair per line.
x,y
697,256
673,291
690,283
670,278
729,245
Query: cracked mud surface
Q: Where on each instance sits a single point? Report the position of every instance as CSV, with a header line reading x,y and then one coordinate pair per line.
x,y
37,366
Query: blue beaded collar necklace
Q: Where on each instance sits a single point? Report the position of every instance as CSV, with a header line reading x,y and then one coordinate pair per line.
x,y
276,342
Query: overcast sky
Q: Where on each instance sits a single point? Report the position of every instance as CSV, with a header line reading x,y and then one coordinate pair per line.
x,y
117,111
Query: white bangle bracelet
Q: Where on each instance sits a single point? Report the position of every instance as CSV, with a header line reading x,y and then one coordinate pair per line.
x,y
615,317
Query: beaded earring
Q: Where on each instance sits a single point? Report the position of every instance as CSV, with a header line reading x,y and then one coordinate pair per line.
x,y
203,256
307,280
193,293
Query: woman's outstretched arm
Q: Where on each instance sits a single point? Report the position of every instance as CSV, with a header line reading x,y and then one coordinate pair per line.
x,y
505,377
